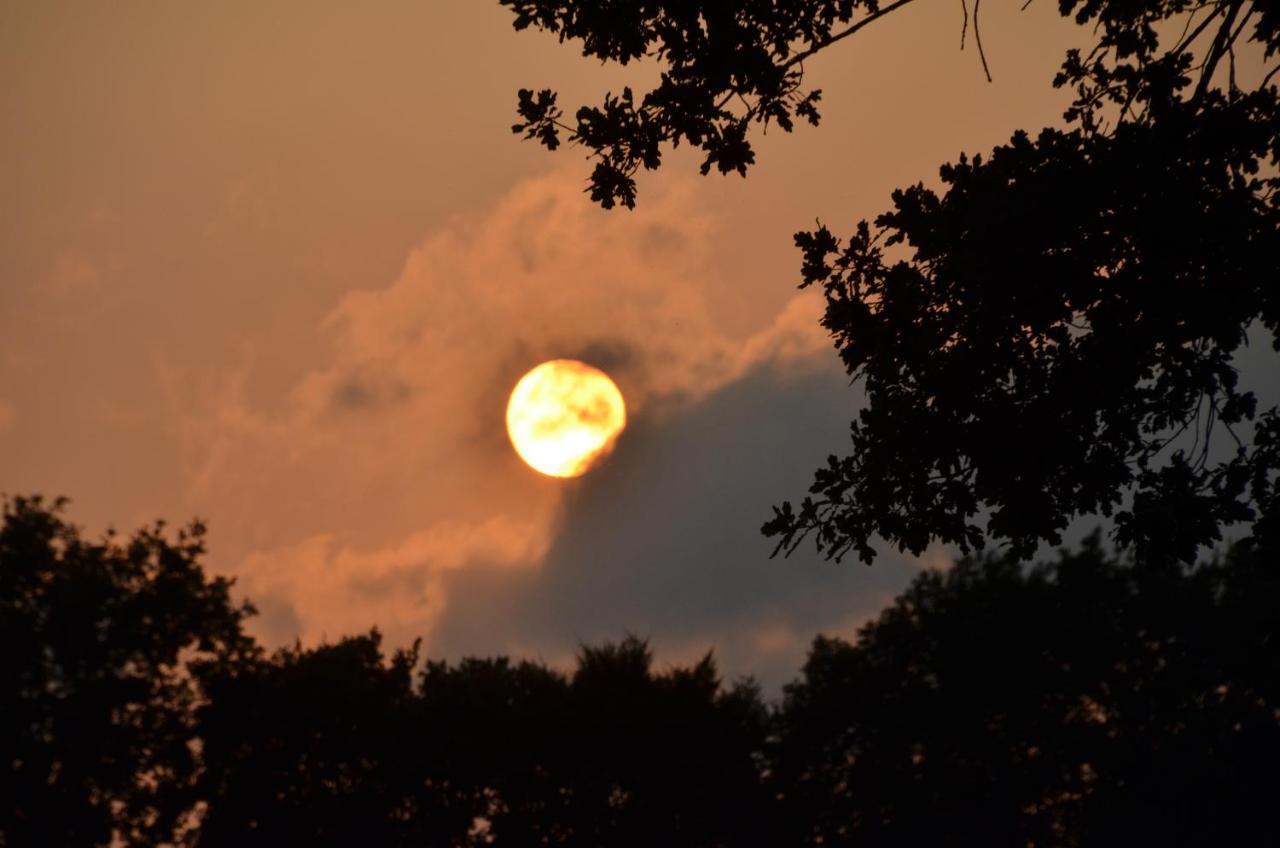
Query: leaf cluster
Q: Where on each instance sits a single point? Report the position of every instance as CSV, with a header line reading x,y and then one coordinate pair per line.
x,y
725,68
1051,333
1054,335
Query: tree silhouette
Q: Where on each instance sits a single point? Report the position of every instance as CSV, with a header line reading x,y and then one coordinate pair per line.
x,y
100,639
334,746
1049,336
305,748
1085,702
1088,701
615,754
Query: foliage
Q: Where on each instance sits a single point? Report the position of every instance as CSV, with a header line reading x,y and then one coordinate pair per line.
x,y
1088,701
727,66
1083,702
99,641
1052,334
334,746
303,749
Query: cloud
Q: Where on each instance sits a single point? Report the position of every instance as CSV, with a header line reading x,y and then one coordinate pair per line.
x,y
384,472
544,274
317,588
72,275
664,541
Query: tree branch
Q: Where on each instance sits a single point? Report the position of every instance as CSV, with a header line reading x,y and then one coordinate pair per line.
x,y
977,36
800,57
1186,41
1269,75
1217,50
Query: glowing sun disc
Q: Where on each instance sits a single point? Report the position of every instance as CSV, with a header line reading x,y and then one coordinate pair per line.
x,y
564,415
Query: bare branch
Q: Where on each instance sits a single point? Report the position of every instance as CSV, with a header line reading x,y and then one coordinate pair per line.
x,y
977,36
800,57
1185,40
1217,50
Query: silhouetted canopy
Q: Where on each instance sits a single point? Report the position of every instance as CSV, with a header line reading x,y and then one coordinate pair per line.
x,y
1089,701
1048,334
97,722
1093,700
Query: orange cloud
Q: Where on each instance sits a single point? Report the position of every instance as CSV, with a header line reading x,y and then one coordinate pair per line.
x,y
399,435
72,275
319,588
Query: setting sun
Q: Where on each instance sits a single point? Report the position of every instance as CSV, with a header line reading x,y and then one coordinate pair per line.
x,y
563,416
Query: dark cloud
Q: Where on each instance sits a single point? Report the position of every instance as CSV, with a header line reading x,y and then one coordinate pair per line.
x,y
609,355
352,395
659,238
663,541
276,622
356,393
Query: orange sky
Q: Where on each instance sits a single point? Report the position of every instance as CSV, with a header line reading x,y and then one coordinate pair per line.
x,y
278,264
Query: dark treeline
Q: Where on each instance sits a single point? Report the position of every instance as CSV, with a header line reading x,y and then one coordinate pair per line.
x,y
1085,701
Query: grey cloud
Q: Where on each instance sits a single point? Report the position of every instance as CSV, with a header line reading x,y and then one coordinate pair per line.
x,y
663,541
659,238
358,393
352,395
277,621
609,355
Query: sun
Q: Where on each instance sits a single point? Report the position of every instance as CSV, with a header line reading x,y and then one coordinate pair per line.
x,y
563,416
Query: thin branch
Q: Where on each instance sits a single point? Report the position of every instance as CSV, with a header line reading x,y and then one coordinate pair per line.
x,y
1156,446
1217,50
1186,40
977,36
1231,431
1210,424
964,28
1199,405
800,57
1236,35
1231,71
1269,75
1231,53
1190,20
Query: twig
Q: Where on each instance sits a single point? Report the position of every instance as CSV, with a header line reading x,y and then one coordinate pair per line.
x,y
799,57
964,28
1236,35
1184,41
1231,54
1216,51
977,36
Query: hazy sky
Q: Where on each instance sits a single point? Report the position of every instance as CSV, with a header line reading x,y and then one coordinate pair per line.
x,y
278,265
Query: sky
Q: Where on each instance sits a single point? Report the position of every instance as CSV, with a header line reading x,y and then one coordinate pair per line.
x,y
278,265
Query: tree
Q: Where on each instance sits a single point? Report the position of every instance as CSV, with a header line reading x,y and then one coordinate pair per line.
x,y
1138,702
100,643
316,747
1132,705
615,754
1050,335
336,746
